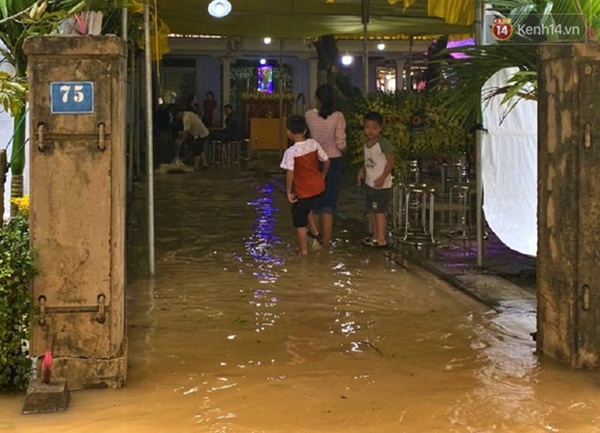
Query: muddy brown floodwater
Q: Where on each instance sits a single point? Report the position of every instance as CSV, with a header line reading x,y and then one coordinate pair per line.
x,y
238,334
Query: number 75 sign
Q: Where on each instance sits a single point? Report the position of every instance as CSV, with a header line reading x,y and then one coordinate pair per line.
x,y
72,97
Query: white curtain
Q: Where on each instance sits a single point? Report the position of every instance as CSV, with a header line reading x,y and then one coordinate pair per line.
x,y
509,168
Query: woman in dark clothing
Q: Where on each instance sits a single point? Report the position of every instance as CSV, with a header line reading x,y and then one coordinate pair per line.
x,y
209,106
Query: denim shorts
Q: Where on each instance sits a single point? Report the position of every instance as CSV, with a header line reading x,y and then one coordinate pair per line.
x,y
377,200
328,201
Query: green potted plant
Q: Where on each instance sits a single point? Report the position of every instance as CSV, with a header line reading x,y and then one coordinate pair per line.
x,y
17,268
416,123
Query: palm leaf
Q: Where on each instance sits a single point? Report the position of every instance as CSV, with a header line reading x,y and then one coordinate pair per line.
x,y
467,77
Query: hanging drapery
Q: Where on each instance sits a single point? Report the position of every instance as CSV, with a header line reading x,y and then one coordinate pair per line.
x,y
459,12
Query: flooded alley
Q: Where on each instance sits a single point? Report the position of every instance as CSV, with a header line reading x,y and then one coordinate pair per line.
x,y
239,334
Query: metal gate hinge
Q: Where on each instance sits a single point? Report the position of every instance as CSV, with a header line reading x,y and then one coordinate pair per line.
x,y
100,309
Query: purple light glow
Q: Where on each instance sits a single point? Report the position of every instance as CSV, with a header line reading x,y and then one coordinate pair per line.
x,y
461,43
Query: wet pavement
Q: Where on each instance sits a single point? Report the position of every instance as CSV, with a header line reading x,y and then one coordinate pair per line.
x,y
236,333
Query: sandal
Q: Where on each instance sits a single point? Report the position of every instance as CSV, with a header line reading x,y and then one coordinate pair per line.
x,y
367,240
375,244
317,237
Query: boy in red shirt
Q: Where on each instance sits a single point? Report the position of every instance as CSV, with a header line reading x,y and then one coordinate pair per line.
x,y
304,182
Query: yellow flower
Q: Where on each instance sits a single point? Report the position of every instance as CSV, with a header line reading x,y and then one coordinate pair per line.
x,y
22,204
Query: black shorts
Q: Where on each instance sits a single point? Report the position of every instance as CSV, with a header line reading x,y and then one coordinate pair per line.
x,y
377,200
198,146
301,209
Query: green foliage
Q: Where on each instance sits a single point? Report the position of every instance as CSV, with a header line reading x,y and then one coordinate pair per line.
x,y
416,123
469,76
13,93
17,268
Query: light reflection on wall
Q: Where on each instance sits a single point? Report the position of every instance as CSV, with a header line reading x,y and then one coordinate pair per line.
x,y
259,247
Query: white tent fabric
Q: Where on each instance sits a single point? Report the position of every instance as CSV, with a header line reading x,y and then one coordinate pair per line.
x,y
509,168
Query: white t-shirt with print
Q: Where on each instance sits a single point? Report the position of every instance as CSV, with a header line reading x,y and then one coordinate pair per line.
x,y
375,161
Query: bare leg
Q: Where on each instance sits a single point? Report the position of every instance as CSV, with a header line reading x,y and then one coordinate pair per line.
x,y
312,224
372,223
380,228
302,241
203,162
327,227
196,163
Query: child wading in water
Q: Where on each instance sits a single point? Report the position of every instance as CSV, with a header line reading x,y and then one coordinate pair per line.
x,y
376,173
304,182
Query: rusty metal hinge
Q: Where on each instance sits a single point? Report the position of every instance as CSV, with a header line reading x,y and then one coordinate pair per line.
x,y
100,309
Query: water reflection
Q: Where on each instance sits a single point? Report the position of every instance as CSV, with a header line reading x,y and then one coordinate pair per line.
x,y
260,246
237,335
507,374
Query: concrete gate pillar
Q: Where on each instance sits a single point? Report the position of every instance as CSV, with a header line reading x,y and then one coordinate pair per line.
x,y
77,214
569,204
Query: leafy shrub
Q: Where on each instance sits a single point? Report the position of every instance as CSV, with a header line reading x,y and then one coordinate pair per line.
x,y
417,124
17,268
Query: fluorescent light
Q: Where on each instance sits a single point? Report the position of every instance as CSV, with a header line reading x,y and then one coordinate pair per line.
x,y
381,46
347,60
267,40
219,8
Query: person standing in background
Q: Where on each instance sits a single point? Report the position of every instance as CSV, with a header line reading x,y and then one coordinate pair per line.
x,y
328,127
376,173
306,165
209,106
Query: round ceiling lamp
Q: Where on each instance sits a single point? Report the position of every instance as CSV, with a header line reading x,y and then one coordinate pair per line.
x,y
381,46
219,8
267,40
347,59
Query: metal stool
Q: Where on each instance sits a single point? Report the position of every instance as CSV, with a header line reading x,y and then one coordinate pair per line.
x,y
218,154
413,172
419,204
233,152
396,212
460,194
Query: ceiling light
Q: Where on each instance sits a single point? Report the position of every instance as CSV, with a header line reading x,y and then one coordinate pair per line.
x,y
381,46
219,8
267,40
263,61
347,60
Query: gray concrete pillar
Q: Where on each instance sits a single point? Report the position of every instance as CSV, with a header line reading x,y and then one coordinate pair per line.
x,y
313,81
77,214
569,204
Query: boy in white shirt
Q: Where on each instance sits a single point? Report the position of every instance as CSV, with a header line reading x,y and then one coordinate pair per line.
x,y
376,173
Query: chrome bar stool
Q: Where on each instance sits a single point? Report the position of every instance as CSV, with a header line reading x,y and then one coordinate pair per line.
x,y
246,151
219,154
460,215
396,211
233,151
419,212
413,172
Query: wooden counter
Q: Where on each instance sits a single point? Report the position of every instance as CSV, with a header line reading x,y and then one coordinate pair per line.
x,y
264,133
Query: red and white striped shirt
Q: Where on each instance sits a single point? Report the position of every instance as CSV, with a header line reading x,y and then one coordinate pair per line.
x,y
330,133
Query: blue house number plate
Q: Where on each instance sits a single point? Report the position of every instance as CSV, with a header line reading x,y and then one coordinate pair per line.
x,y
72,97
